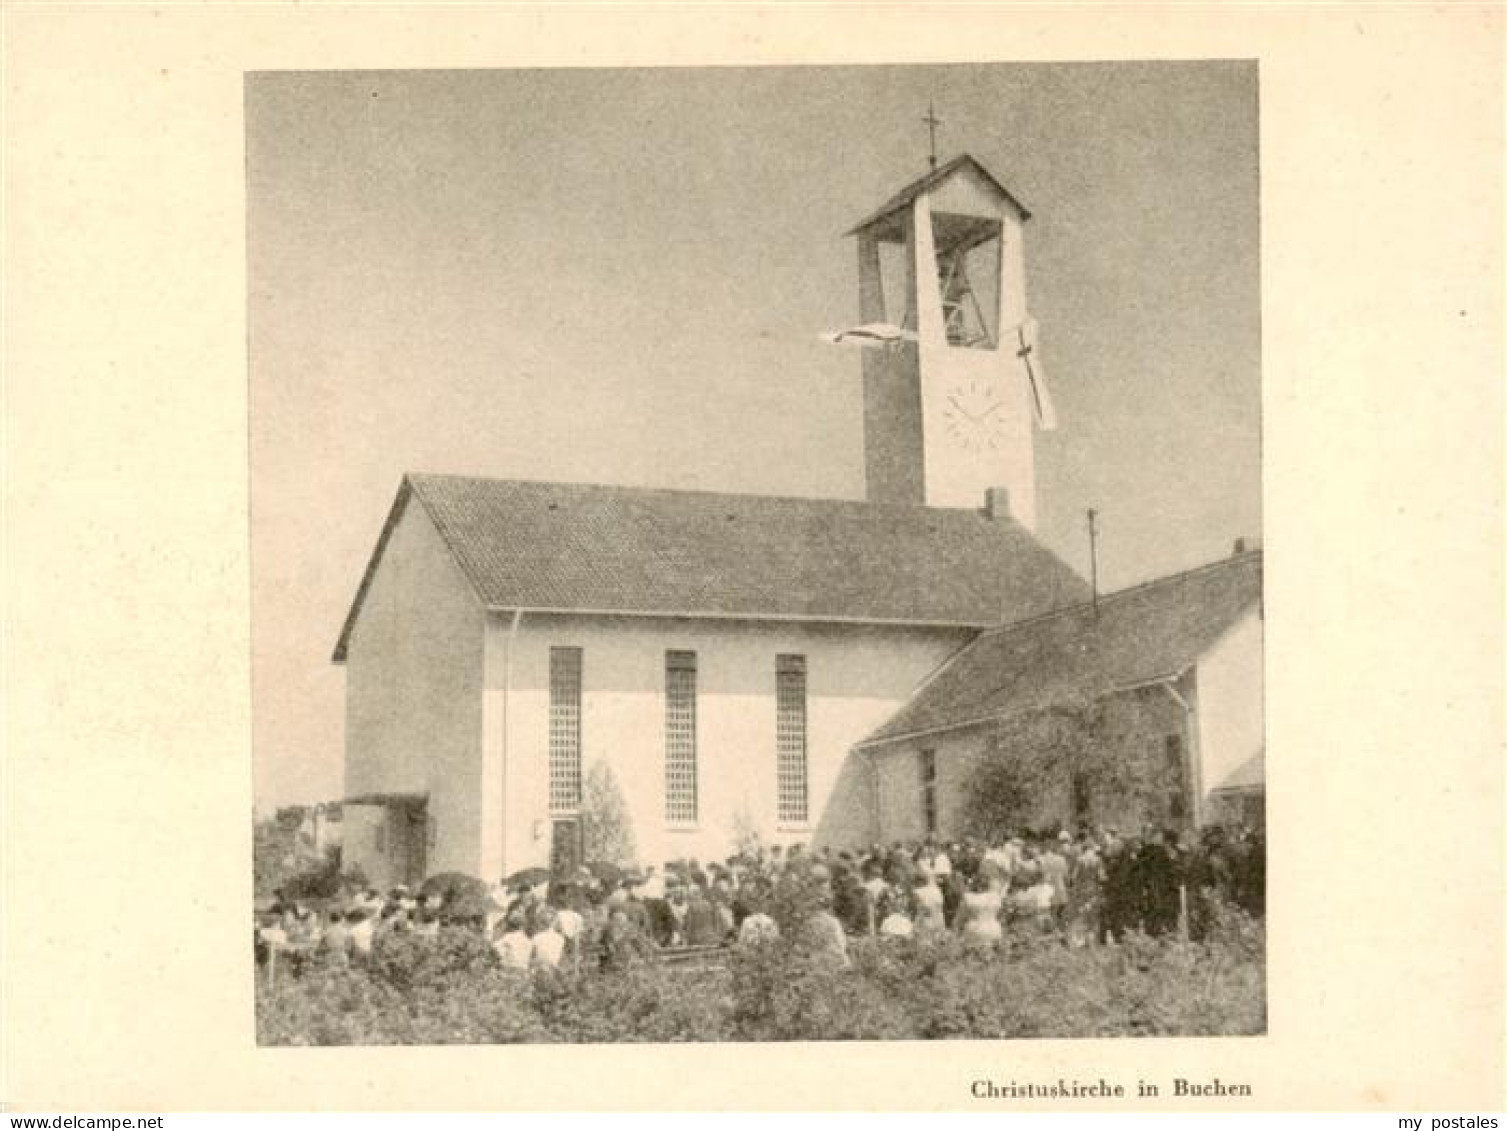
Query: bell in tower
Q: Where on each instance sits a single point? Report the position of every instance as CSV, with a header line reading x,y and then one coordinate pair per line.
x,y
952,387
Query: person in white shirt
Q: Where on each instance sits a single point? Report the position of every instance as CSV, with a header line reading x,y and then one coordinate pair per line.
x,y
568,922
927,902
362,929
274,935
497,899
1032,901
941,864
653,886
547,944
981,907
896,925
514,946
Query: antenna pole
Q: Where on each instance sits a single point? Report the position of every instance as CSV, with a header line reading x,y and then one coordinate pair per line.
x,y
932,122
1093,557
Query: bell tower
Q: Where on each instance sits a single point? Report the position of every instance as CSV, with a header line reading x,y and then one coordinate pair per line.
x,y
952,390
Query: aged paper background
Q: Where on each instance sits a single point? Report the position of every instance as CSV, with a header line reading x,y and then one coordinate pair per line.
x,y
127,785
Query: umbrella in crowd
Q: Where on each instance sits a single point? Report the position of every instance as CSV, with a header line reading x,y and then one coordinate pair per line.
x,y
610,875
529,877
461,896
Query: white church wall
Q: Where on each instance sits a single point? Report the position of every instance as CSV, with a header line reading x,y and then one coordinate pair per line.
x,y
413,676
856,677
1230,697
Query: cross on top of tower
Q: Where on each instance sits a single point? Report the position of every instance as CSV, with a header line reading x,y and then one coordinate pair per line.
x,y
932,122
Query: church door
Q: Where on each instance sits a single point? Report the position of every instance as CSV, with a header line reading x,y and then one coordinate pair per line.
x,y
566,850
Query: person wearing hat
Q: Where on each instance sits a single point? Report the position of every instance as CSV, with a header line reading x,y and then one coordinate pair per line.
x,y
1054,870
1085,886
822,935
677,906
632,903
850,901
701,926
623,944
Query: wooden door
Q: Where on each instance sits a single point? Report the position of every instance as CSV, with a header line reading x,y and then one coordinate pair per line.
x,y
566,850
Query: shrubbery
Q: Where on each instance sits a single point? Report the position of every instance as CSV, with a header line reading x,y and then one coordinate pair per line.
x,y
324,880
452,990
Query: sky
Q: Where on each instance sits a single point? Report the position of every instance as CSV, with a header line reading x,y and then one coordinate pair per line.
x,y
619,276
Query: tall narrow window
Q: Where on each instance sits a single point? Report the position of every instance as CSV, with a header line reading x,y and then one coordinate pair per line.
x,y
1177,806
929,790
1082,798
680,737
564,729
790,738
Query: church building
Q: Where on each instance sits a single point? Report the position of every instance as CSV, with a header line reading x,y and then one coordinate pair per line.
x,y
732,665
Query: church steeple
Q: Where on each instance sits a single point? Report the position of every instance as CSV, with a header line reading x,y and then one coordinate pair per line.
x,y
952,386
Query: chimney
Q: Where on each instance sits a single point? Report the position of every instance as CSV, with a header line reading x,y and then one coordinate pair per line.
x,y
997,502
1246,546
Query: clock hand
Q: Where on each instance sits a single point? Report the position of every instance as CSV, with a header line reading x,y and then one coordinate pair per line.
x,y
952,400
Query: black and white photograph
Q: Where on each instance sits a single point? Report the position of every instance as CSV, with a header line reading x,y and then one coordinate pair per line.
x,y
756,554
659,559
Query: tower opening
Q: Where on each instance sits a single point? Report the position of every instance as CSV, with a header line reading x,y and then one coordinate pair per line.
x,y
968,275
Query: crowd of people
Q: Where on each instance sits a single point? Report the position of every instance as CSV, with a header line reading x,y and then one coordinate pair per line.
x,y
1085,889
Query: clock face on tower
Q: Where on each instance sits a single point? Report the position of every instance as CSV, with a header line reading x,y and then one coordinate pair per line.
x,y
973,414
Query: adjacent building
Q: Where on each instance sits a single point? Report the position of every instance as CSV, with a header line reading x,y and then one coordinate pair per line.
x,y
1164,679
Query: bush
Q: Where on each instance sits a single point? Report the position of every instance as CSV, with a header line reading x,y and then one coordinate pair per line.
x,y
645,1002
606,823
451,989
408,961
325,880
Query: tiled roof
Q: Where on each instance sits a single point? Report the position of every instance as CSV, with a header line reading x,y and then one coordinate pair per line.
x,y
934,177
1149,632
564,547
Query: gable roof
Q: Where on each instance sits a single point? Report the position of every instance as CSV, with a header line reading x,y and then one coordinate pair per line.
x,y
574,548
935,177
1140,635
